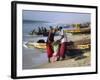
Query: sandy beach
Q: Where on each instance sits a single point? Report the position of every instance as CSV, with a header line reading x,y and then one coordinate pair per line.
x,y
72,62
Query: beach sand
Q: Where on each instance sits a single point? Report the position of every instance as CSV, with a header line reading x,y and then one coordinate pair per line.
x,y
73,62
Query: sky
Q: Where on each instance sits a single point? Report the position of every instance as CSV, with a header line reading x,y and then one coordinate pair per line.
x,y
56,17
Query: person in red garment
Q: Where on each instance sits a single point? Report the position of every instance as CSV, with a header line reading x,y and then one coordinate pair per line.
x,y
49,46
63,46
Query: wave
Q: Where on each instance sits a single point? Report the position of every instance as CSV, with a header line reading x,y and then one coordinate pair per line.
x,y
25,44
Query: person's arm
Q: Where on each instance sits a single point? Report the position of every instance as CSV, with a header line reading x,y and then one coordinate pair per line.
x,y
49,34
61,37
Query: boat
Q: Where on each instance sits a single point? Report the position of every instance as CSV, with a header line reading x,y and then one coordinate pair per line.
x,y
81,30
81,44
40,45
35,45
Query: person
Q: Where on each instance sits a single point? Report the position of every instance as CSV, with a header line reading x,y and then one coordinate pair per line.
x,y
63,46
49,42
49,49
51,35
55,55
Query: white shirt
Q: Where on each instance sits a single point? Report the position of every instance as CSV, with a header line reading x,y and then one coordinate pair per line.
x,y
63,40
65,36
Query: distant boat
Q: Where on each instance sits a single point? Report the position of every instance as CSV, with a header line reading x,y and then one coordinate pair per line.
x,y
81,30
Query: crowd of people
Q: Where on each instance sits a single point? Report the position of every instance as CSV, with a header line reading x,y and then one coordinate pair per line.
x,y
56,48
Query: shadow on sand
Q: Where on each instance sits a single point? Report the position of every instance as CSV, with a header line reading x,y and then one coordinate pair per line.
x,y
77,54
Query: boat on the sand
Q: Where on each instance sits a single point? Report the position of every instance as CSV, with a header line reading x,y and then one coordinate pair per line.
x,y
80,44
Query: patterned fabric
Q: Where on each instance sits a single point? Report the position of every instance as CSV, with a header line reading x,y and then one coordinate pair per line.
x,y
55,47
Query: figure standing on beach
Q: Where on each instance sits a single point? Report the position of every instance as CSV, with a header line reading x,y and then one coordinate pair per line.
x,y
63,45
49,46
55,55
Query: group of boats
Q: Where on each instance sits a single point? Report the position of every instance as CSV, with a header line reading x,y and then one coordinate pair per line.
x,y
80,44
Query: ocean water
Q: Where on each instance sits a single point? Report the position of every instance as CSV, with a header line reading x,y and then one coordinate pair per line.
x,y
32,57
29,26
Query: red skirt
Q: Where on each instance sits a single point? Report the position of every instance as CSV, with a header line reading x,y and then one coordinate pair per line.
x,y
62,49
49,50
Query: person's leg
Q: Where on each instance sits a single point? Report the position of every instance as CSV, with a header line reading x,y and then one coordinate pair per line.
x,y
62,51
54,57
49,52
58,53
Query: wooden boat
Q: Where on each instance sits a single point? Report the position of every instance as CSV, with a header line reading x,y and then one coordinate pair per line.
x,y
36,45
81,30
80,44
40,45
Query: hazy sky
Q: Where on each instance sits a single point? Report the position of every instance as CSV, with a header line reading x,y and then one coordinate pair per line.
x,y
56,17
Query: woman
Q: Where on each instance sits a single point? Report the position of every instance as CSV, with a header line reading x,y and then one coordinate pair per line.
x,y
55,55
49,46
49,49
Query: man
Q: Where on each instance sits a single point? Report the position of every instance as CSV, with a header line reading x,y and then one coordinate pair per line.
x,y
63,45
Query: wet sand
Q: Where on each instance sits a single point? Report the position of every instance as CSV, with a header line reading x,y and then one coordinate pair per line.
x,y
33,57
